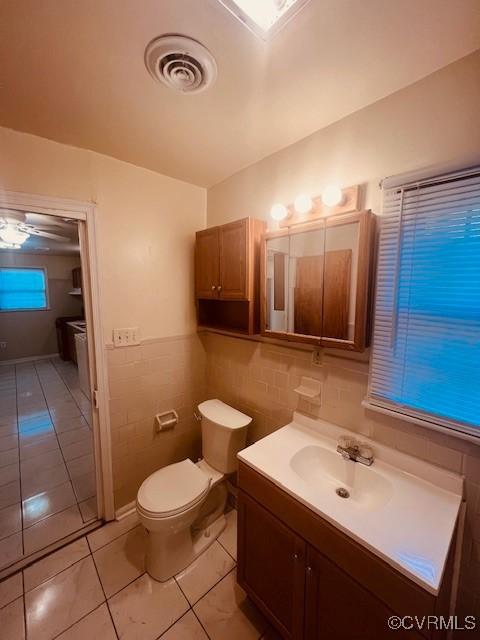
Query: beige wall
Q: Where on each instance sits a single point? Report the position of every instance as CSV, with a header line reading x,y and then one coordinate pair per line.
x,y
33,333
146,224
434,121
146,234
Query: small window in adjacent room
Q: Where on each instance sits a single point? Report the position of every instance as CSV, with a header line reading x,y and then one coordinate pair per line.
x,y
426,352
23,289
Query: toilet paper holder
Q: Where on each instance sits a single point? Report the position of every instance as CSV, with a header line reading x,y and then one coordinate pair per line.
x,y
166,420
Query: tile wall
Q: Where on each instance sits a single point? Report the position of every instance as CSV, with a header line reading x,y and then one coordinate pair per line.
x,y
259,379
144,380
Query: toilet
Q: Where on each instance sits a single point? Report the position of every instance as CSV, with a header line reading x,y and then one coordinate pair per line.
x,y
182,505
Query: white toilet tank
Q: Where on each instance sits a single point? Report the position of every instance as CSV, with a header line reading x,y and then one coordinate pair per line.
x,y
224,434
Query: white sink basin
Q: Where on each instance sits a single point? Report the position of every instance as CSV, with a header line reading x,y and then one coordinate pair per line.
x,y
329,473
401,508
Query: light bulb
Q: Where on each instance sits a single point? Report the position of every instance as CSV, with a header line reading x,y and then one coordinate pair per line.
x,y
12,235
279,211
332,195
303,203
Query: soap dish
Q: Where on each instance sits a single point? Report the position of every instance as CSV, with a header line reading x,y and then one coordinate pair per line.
x,y
310,389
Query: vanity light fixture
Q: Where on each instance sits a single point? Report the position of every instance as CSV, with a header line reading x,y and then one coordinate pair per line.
x,y
332,195
279,211
303,204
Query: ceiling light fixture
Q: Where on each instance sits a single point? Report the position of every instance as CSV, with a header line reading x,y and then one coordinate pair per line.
x,y
303,204
264,17
279,211
11,235
332,195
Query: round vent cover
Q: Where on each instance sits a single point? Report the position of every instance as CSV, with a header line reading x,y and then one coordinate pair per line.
x,y
181,63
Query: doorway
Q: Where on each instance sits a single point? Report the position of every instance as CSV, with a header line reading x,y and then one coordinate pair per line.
x,y
53,457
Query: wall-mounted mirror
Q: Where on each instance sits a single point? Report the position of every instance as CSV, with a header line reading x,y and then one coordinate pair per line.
x,y
316,281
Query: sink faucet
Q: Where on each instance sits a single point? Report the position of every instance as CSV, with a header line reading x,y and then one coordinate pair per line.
x,y
352,449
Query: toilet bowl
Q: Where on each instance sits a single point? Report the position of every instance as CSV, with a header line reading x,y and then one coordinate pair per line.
x,y
182,505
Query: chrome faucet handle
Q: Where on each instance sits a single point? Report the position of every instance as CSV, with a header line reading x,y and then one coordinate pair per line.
x,y
365,450
347,442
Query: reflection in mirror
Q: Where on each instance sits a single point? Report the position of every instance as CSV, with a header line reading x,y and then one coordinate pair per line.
x,y
277,281
340,281
306,282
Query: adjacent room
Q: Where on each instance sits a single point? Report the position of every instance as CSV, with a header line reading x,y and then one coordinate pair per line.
x,y
240,319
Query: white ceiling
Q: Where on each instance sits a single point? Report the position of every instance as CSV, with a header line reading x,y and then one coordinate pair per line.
x,y
73,72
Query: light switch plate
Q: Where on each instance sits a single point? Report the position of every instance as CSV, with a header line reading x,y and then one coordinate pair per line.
x,y
126,337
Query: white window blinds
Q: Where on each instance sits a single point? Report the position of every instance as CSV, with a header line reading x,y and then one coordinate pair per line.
x,y
426,351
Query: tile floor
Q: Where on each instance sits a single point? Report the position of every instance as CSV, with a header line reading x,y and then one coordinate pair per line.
x,y
96,587
47,483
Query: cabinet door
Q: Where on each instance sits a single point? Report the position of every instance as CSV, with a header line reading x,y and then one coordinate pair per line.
x,y
271,566
339,608
234,262
207,277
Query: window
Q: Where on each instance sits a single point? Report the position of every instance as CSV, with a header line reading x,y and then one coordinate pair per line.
x,y
426,352
22,289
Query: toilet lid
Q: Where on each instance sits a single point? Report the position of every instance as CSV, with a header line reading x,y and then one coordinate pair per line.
x,y
173,489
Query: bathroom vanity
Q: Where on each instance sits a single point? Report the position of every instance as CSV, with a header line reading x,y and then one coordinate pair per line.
x,y
322,566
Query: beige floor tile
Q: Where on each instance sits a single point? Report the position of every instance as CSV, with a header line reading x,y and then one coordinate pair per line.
x,y
9,474
68,424
47,503
64,410
43,461
84,486
8,442
58,603
205,572
9,457
147,608
52,529
11,589
8,430
78,450
10,549
12,621
54,563
34,482
9,494
88,509
187,628
34,421
97,625
121,561
228,537
28,451
102,536
35,435
67,438
10,520
225,612
80,466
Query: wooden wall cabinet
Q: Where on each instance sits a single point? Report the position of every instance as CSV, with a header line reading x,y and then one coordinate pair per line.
x,y
322,273
227,275
313,582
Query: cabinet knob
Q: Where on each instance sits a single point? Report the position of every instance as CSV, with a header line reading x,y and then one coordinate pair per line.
x,y
295,556
219,288
213,287
309,571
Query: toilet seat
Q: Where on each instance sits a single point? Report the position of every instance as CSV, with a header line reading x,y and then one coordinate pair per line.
x,y
172,490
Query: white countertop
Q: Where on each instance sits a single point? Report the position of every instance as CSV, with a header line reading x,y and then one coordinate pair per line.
x,y
407,519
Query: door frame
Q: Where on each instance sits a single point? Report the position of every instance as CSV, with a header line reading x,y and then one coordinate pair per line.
x,y
85,213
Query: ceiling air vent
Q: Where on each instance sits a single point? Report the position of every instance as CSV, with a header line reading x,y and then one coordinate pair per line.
x,y
181,63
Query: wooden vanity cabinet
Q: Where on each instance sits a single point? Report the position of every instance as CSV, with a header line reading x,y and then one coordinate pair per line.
x,y
312,581
227,275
